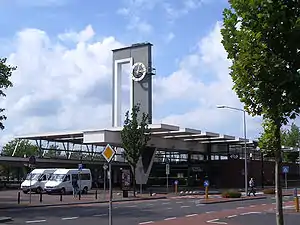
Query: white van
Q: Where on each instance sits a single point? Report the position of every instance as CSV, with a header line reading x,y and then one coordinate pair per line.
x,y
61,181
36,180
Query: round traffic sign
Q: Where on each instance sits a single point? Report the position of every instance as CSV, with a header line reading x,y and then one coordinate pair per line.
x,y
206,183
176,182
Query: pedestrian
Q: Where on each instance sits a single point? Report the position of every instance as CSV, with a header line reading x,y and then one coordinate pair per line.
x,y
252,187
75,186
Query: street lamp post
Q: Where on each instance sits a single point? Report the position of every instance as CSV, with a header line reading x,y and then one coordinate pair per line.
x,y
245,142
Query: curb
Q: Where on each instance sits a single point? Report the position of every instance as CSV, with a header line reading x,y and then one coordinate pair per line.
x,y
232,200
80,203
5,219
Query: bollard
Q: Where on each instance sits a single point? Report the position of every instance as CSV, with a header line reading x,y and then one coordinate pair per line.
x,y
296,199
19,197
175,188
41,197
150,192
79,195
96,195
60,198
206,192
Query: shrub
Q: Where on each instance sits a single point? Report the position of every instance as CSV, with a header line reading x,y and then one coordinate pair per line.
x,y
269,191
231,194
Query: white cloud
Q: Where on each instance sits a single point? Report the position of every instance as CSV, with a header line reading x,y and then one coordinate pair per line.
x,y
190,83
139,13
185,6
170,37
58,87
134,11
142,26
83,36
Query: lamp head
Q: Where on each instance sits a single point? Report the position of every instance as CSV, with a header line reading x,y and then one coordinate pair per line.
x,y
221,106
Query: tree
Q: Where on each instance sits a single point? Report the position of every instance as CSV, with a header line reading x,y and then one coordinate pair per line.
x,y
291,138
135,136
260,38
5,74
24,148
266,141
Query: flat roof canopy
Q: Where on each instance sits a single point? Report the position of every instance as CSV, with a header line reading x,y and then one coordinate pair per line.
x,y
163,136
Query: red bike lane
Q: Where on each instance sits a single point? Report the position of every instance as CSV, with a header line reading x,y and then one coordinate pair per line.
x,y
215,217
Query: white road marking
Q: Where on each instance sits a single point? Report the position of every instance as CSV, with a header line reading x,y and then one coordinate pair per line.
x,y
200,205
131,206
210,212
170,218
166,203
185,206
273,203
168,208
99,215
146,222
252,206
70,218
240,207
231,216
35,221
248,213
215,221
289,206
263,204
179,202
150,204
191,215
115,207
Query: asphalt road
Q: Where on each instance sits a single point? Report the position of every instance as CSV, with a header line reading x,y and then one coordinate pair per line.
x,y
123,213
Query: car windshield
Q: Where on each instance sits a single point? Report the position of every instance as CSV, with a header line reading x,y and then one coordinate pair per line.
x,y
57,177
33,176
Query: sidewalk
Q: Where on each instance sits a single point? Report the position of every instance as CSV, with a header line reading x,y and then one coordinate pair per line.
x,y
7,201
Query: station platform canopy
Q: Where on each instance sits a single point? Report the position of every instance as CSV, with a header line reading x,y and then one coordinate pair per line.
x,y
163,136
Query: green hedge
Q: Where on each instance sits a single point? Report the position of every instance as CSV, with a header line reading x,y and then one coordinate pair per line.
x,y
269,191
231,194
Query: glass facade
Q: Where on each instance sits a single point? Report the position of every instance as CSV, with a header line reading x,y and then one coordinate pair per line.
x,y
192,168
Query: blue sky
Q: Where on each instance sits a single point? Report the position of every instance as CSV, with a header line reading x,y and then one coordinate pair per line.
x,y
106,17
63,52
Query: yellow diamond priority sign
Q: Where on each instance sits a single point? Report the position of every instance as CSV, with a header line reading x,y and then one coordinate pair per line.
x,y
108,153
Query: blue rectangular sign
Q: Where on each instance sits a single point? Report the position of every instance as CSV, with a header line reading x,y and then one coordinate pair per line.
x,y
285,169
79,167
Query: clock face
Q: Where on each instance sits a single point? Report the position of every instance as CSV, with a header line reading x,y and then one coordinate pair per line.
x,y
138,71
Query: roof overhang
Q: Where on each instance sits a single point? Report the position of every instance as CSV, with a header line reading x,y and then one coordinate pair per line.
x,y
163,136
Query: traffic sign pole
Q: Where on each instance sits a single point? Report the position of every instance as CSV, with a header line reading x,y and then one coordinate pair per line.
x,y
30,186
286,184
31,162
104,178
79,176
167,173
110,197
108,154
